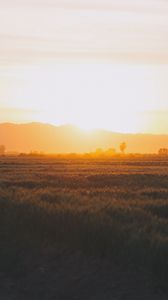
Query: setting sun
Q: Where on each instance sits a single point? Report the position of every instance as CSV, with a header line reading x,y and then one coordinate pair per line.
x,y
83,149
90,95
93,64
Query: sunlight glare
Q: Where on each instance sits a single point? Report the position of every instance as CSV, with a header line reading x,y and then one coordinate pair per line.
x,y
91,96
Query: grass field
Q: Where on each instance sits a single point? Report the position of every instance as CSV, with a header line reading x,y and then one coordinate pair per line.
x,y
111,210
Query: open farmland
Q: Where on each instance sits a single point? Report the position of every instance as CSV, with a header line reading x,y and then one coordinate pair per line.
x,y
78,228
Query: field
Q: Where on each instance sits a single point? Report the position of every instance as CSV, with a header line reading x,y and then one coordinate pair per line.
x,y
83,228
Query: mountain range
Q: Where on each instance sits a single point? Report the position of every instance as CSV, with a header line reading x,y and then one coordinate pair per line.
x,y
69,139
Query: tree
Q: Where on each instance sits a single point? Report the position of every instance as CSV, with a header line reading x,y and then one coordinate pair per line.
x,y
163,151
2,149
99,151
110,151
123,146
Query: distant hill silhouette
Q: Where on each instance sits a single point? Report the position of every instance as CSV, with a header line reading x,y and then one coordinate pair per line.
x,y
68,138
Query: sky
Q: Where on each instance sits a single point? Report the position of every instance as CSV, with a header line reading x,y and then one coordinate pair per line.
x,y
92,63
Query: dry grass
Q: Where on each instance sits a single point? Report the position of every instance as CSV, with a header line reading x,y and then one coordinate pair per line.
x,y
113,208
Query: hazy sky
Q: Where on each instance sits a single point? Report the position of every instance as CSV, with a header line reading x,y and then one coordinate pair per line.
x,y
95,63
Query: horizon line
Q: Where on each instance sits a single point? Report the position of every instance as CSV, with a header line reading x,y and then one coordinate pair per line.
x,y
79,128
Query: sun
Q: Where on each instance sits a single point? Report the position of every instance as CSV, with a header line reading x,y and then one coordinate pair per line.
x,y
88,96
86,127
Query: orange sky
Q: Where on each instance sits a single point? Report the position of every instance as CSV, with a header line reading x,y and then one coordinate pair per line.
x,y
94,63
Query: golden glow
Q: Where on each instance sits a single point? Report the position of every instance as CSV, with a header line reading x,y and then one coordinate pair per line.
x,y
108,96
92,63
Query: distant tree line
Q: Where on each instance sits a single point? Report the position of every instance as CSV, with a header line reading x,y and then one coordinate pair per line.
x,y
110,151
163,151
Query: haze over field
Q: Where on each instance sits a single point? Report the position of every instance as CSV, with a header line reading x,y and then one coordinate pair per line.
x,y
68,139
95,64
83,92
